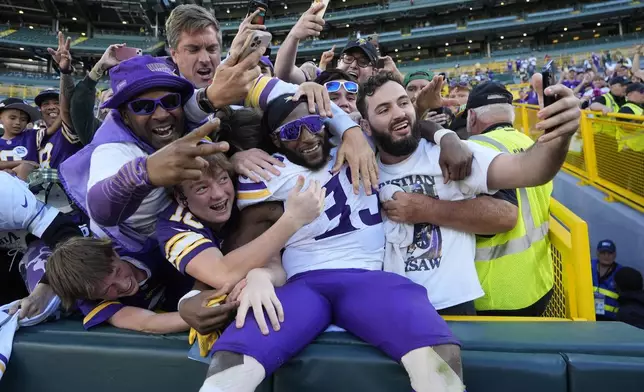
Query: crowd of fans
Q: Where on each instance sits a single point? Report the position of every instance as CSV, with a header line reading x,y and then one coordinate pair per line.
x,y
239,198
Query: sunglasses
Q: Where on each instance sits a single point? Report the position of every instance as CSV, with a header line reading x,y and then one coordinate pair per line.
x,y
334,86
291,131
147,106
362,62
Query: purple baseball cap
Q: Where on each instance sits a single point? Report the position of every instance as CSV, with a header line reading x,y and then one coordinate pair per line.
x,y
142,73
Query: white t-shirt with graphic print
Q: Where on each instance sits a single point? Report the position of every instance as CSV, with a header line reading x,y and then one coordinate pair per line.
x,y
441,259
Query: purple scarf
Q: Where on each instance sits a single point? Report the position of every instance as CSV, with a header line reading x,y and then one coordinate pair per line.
x,y
74,174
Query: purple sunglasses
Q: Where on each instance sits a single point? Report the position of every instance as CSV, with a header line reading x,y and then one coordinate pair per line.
x,y
147,106
290,131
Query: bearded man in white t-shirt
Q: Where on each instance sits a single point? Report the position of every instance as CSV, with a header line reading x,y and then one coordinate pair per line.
x,y
441,258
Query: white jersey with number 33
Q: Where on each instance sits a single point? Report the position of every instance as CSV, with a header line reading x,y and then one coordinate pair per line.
x,y
349,232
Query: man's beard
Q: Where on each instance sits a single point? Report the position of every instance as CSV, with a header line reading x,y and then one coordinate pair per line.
x,y
298,160
398,148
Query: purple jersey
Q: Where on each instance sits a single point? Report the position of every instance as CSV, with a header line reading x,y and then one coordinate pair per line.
x,y
160,291
23,147
182,237
56,148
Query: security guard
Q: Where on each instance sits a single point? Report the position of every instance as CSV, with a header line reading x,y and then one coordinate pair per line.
x,y
630,137
614,99
515,268
603,270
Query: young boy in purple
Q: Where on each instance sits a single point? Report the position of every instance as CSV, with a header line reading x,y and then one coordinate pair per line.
x,y
122,289
17,143
57,142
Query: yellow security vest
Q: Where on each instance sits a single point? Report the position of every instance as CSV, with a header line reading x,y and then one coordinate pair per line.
x,y
604,128
515,268
631,137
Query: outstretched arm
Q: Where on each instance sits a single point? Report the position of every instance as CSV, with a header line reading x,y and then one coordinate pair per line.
x,y
144,320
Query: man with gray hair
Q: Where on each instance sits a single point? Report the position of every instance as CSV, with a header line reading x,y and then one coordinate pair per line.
x,y
515,268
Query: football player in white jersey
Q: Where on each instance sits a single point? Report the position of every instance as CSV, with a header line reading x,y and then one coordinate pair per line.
x,y
442,258
334,270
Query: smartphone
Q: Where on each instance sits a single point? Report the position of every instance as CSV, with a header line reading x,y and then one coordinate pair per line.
x,y
321,12
259,38
125,53
253,5
380,64
548,78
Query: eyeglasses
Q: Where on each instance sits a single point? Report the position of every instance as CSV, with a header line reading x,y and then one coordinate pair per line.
x,y
335,85
147,106
362,62
291,131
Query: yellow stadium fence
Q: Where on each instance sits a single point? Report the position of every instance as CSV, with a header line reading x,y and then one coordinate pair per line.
x,y
572,298
607,152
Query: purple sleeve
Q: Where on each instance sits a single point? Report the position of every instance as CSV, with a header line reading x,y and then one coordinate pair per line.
x,y
114,199
97,313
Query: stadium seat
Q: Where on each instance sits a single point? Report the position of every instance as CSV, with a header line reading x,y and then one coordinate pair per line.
x,y
604,373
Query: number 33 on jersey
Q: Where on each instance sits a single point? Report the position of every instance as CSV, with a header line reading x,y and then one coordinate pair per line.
x,y
349,222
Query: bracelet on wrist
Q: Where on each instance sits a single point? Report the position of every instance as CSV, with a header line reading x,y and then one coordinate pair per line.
x,y
440,134
188,295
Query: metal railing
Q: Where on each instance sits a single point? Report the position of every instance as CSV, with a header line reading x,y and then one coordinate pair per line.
x,y
607,152
572,297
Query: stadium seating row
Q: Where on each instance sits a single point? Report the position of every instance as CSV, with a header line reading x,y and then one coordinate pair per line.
x,y
497,357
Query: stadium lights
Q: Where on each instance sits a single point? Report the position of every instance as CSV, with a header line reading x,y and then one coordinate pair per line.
x,y
565,28
228,10
315,60
469,47
21,12
446,43
525,34
521,41
347,25
31,27
344,1
418,47
396,50
22,48
470,41
502,3
124,22
599,24
31,59
502,37
74,18
83,34
562,35
471,9
286,7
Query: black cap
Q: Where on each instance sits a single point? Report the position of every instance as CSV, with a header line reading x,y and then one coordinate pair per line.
x,y
278,110
488,93
606,246
367,48
46,94
19,104
619,80
639,87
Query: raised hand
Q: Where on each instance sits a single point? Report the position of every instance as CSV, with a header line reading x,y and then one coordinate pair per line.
x,y
182,159
309,24
562,118
430,96
315,94
61,55
326,58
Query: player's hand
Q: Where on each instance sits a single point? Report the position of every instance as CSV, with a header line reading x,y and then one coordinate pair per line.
x,y
356,151
438,118
326,58
256,163
206,319
403,207
236,76
302,207
35,303
259,294
562,117
236,291
316,94
61,55
309,24
182,159
430,96
455,159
